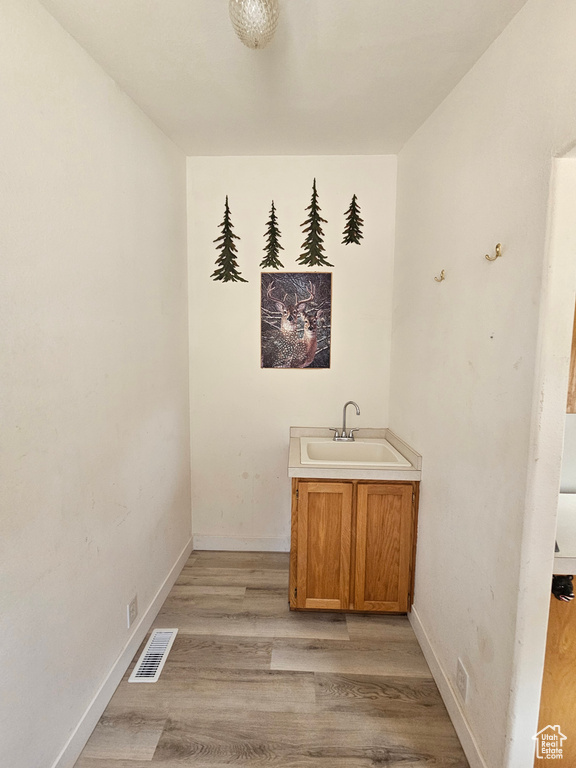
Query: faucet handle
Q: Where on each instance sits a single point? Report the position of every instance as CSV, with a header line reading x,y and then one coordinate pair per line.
x,y
350,435
336,432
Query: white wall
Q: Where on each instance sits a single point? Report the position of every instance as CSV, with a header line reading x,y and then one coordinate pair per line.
x,y
464,357
240,414
568,477
94,406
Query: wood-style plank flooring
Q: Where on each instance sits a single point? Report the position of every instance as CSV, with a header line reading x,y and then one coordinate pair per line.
x,y
250,684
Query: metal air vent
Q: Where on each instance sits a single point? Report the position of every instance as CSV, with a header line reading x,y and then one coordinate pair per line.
x,y
153,657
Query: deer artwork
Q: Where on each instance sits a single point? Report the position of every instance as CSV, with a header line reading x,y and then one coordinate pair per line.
x,y
305,349
294,345
288,314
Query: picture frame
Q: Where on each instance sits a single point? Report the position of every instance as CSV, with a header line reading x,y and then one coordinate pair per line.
x,y
295,319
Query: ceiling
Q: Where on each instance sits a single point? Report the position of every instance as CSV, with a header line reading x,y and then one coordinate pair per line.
x,y
340,76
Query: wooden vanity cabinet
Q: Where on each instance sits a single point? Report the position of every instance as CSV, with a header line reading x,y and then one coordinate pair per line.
x,y
353,545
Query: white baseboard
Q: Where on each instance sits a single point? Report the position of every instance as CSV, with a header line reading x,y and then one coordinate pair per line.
x,y
89,719
248,544
451,701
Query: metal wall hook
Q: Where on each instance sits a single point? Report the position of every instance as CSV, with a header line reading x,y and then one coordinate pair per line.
x,y
498,253
442,276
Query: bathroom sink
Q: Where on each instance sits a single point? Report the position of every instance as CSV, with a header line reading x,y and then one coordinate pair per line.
x,y
367,452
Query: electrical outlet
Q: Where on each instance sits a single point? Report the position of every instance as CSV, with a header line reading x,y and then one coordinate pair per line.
x,y
462,680
132,610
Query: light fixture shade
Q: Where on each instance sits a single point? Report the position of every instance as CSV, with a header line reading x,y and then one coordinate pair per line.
x,y
254,21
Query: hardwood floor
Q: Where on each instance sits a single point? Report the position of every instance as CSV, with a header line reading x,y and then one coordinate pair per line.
x,y
250,684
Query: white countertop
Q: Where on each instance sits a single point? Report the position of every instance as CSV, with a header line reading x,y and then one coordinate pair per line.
x,y
297,469
565,560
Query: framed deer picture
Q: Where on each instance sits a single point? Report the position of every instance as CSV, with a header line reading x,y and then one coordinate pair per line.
x,y
295,312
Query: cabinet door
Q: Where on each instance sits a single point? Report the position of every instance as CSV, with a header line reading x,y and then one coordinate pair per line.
x,y
558,699
324,527
383,547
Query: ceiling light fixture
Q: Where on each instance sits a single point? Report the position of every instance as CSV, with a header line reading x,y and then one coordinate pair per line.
x,y
254,21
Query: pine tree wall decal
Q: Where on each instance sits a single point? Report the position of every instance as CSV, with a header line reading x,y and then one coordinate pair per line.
x,y
272,247
353,229
227,265
313,255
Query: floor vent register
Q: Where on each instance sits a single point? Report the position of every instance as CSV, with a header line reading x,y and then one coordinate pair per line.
x,y
153,657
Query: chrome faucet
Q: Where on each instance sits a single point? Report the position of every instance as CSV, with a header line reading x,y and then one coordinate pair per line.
x,y
342,435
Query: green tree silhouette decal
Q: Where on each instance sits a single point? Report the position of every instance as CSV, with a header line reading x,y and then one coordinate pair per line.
x,y
353,229
313,255
227,266
272,247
